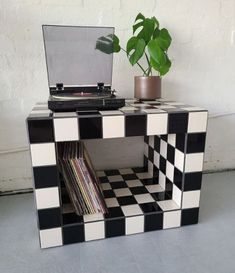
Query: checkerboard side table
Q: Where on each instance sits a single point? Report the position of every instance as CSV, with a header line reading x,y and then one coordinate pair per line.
x,y
163,193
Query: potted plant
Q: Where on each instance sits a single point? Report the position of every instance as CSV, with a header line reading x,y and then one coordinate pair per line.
x,y
149,41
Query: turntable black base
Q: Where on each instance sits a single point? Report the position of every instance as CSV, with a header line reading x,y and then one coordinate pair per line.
x,y
58,105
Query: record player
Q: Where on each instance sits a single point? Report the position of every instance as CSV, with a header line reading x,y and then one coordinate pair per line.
x,y
79,76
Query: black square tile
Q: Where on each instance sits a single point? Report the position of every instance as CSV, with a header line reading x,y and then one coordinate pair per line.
x,y
149,181
104,179
114,227
177,122
46,176
138,190
108,194
160,196
155,171
146,139
180,142
136,125
162,164
196,143
138,170
90,128
114,212
192,181
169,186
157,142
145,162
150,153
171,154
112,172
65,197
178,178
150,207
88,113
73,234
189,216
49,218
126,200
71,218
153,221
131,176
118,185
40,131
164,137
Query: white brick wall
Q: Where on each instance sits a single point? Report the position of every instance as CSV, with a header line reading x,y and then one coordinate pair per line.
x,y
203,54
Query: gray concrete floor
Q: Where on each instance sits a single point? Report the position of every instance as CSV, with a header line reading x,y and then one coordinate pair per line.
x,y
203,248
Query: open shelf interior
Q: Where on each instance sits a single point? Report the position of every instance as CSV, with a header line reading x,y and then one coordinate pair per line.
x,y
128,192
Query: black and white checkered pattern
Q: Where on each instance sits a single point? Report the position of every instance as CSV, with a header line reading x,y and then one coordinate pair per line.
x,y
163,194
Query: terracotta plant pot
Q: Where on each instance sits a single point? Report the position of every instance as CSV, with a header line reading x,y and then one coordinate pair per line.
x,y
147,87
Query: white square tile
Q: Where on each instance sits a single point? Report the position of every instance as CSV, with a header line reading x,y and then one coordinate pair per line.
x,y
64,114
47,198
105,186
169,171
50,237
193,108
126,171
197,122
66,129
134,183
100,173
122,192
146,149
43,154
156,159
191,199
179,160
154,188
177,195
157,124
115,178
163,148
172,139
94,231
134,225
113,126
144,175
131,210
151,141
167,205
111,202
144,198
150,168
194,162
153,111
166,106
93,217
162,180
110,112
171,219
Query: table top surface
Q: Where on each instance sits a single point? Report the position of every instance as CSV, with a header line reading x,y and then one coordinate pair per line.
x,y
132,107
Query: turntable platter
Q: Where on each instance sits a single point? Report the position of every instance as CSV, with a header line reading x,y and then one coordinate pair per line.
x,y
81,95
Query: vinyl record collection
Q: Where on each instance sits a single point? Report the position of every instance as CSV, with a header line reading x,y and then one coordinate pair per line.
x,y
80,179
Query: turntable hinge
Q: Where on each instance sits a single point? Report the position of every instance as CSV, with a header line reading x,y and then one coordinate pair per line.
x,y
59,86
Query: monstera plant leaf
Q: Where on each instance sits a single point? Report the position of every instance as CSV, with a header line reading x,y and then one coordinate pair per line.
x,y
135,49
147,27
108,44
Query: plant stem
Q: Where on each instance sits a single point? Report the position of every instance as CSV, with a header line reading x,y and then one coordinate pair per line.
x,y
149,65
136,63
